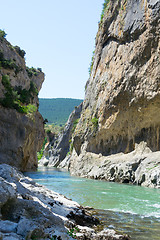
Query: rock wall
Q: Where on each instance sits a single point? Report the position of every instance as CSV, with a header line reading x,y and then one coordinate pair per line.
x,y
141,166
121,106
21,125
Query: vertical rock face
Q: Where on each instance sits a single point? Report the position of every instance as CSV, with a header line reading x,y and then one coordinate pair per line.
x,y
121,106
21,125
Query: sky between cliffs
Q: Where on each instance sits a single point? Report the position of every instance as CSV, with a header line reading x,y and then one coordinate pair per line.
x,y
58,36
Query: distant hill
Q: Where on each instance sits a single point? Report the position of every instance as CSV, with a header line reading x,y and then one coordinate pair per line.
x,y
57,110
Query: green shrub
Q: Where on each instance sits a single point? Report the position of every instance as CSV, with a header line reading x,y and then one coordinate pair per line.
x,y
9,64
29,109
14,98
71,148
26,95
40,153
104,8
91,64
33,89
2,34
48,131
72,232
20,51
74,125
33,71
95,121
39,69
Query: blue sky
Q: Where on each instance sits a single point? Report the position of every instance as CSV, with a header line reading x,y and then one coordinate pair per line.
x,y
58,36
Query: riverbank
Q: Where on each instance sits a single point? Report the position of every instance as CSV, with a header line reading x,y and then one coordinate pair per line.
x,y
133,210
31,211
140,167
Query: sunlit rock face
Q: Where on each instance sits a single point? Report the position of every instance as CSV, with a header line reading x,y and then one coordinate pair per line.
x,y
122,100
21,125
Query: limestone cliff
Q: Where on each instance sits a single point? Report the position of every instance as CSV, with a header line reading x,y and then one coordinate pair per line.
x,y
21,125
122,100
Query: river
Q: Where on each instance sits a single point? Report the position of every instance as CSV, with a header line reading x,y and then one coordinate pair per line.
x,y
130,209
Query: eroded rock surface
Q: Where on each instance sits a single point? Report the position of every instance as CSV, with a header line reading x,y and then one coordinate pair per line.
x,y
121,106
29,210
21,125
141,166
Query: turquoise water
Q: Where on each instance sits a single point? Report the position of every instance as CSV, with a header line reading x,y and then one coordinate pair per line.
x,y
131,209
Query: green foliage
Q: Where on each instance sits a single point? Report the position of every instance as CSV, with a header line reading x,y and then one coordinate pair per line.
x,y
14,98
57,110
9,64
2,34
29,109
91,64
33,71
73,231
39,69
104,8
95,121
40,153
26,95
33,89
20,51
74,125
71,148
48,131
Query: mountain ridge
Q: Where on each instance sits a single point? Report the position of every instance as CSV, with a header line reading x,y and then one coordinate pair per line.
x,y
57,110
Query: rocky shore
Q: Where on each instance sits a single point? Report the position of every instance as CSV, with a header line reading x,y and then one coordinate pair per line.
x,y
141,166
31,211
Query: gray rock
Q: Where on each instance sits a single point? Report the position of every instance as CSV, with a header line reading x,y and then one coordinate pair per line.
x,y
32,211
7,191
28,229
141,166
23,134
122,98
43,162
65,163
12,236
8,226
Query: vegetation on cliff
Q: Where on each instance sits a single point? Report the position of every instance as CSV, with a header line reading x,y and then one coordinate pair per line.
x,y
17,97
122,97
21,123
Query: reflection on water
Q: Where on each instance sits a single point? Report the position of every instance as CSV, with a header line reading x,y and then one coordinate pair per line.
x,y
131,209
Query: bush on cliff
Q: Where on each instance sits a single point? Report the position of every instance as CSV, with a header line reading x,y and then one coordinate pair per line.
x,y
2,34
9,64
18,97
20,51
